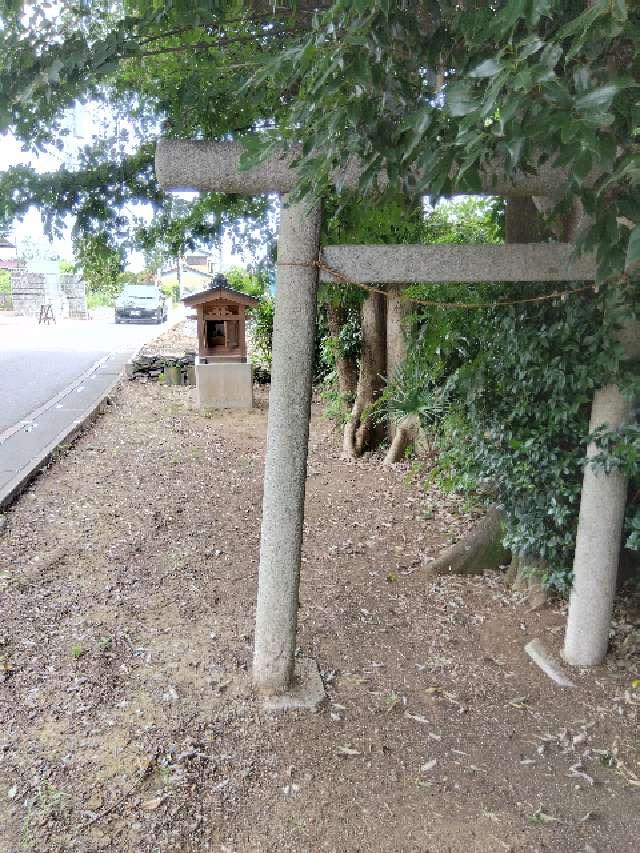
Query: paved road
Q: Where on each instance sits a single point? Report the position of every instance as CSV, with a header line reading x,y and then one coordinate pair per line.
x,y
37,362
51,379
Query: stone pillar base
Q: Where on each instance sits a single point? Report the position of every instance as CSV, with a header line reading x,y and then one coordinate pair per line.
x,y
305,694
224,386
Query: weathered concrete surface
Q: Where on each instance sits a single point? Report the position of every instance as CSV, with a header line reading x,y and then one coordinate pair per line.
x,y
215,166
306,692
540,656
224,386
287,441
407,263
183,164
598,537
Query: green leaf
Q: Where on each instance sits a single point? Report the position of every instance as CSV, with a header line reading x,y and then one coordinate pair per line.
x,y
584,21
633,250
597,99
582,165
530,45
487,68
460,99
619,11
514,147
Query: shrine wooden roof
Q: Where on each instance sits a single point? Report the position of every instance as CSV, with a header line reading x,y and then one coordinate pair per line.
x,y
215,294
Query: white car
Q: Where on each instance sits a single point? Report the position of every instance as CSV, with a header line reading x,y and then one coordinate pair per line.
x,y
141,302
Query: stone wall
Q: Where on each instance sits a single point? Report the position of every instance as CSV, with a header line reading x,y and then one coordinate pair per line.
x,y
174,370
75,291
30,290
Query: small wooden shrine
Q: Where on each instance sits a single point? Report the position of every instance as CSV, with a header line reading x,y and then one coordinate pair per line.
x,y
220,313
224,378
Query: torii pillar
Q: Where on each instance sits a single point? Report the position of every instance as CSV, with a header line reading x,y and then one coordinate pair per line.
x,y
216,168
599,534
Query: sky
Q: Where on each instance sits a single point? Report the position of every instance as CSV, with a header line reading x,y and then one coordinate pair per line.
x,y
30,228
85,124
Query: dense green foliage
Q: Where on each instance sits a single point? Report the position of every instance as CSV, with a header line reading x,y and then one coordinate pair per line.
x,y
393,219
256,284
100,265
507,393
141,66
5,290
523,414
444,339
434,93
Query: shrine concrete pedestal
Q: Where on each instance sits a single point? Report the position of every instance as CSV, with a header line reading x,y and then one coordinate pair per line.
x,y
224,386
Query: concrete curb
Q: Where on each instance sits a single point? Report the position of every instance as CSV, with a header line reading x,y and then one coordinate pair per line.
x,y
79,380
15,487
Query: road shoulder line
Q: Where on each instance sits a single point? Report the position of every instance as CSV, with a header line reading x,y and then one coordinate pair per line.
x,y
14,487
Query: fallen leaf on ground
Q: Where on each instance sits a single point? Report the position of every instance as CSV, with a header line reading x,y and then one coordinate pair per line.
x,y
417,717
541,817
347,751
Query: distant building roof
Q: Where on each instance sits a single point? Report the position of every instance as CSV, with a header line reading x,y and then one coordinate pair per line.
x,y
184,268
195,270
219,293
196,260
5,244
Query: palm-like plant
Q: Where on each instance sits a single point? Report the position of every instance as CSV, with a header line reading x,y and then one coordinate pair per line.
x,y
411,394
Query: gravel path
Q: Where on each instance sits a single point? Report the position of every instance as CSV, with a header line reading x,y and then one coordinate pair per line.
x,y
127,591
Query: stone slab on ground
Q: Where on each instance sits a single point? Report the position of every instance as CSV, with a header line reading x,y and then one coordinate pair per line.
x,y
540,656
307,693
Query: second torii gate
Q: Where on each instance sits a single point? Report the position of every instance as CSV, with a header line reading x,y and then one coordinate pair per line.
x,y
215,167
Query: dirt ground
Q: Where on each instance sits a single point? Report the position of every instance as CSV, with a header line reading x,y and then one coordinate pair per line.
x,y
127,723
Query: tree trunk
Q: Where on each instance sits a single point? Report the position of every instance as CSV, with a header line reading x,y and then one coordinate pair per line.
x,y
398,310
179,278
359,432
346,368
480,550
521,221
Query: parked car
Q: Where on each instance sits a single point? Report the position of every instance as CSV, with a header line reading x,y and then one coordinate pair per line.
x,y
141,302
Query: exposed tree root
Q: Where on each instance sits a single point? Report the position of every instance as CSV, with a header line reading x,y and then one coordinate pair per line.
x,y
480,550
524,575
404,434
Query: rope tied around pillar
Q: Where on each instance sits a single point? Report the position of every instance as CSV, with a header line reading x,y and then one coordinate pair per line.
x,y
340,278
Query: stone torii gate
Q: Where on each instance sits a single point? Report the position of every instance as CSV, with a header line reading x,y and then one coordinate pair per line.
x,y
215,167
